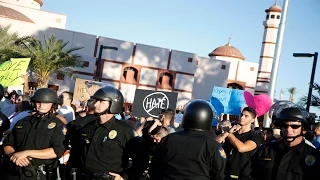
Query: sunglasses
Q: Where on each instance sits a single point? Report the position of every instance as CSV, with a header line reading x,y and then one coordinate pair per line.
x,y
293,126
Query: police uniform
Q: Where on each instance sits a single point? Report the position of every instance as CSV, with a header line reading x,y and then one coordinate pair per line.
x,y
192,153
275,161
104,149
73,139
279,161
36,133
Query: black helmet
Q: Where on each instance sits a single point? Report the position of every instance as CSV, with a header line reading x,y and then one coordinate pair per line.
x,y
110,93
1,91
198,114
45,95
294,113
277,107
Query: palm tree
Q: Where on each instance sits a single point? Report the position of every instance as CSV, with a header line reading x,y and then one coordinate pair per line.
x,y
315,99
51,57
281,93
292,91
11,44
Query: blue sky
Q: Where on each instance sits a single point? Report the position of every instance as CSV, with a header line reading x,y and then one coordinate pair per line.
x,y
201,26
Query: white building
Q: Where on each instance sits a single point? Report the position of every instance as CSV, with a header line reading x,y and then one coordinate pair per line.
x,y
139,66
269,40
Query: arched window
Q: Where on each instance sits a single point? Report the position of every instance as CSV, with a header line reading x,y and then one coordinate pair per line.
x,y
130,74
166,80
267,17
278,16
272,16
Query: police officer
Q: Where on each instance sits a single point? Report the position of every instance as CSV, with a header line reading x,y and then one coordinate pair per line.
x,y
192,153
73,139
104,154
290,158
36,142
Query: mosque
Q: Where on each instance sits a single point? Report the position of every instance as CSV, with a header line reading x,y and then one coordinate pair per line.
x,y
140,66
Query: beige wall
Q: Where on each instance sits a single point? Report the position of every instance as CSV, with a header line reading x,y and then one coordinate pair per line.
x,y
151,56
179,62
208,75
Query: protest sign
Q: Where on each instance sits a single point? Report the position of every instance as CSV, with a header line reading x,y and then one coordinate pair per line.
x,y
228,101
11,71
261,103
150,103
83,89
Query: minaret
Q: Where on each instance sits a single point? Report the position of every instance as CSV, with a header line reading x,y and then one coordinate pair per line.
x,y
271,25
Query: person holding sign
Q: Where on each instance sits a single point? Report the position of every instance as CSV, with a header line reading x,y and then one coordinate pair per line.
x,y
191,153
240,144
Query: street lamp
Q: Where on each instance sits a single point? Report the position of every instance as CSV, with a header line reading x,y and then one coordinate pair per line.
x,y
315,58
98,63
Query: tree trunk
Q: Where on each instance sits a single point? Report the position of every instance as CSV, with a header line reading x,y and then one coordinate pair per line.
x,y
26,84
291,98
42,82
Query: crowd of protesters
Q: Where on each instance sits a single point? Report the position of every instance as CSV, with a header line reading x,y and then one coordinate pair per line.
x,y
50,136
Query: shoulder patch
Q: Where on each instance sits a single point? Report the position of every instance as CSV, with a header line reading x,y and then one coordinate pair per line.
x,y
309,160
19,127
64,130
222,153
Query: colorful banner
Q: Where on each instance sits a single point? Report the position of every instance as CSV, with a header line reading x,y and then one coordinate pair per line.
x,y
261,103
11,71
227,101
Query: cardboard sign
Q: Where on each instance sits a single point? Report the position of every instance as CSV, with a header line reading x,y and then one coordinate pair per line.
x,y
11,71
228,101
149,103
83,89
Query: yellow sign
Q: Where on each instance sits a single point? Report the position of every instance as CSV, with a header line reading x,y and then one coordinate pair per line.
x,y
11,71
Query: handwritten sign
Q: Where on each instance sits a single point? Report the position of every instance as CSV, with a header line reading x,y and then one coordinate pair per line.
x,y
149,103
11,71
83,89
228,101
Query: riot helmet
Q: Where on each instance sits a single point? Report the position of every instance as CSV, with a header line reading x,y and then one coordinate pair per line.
x,y
279,105
1,91
45,95
111,94
291,112
296,114
198,115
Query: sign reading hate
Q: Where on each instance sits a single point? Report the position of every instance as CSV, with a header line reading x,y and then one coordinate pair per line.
x,y
11,71
150,103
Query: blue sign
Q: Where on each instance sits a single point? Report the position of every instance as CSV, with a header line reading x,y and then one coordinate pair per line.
x,y
227,101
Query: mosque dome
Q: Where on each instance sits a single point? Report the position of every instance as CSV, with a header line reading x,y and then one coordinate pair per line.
x,y
274,8
13,14
39,2
227,51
